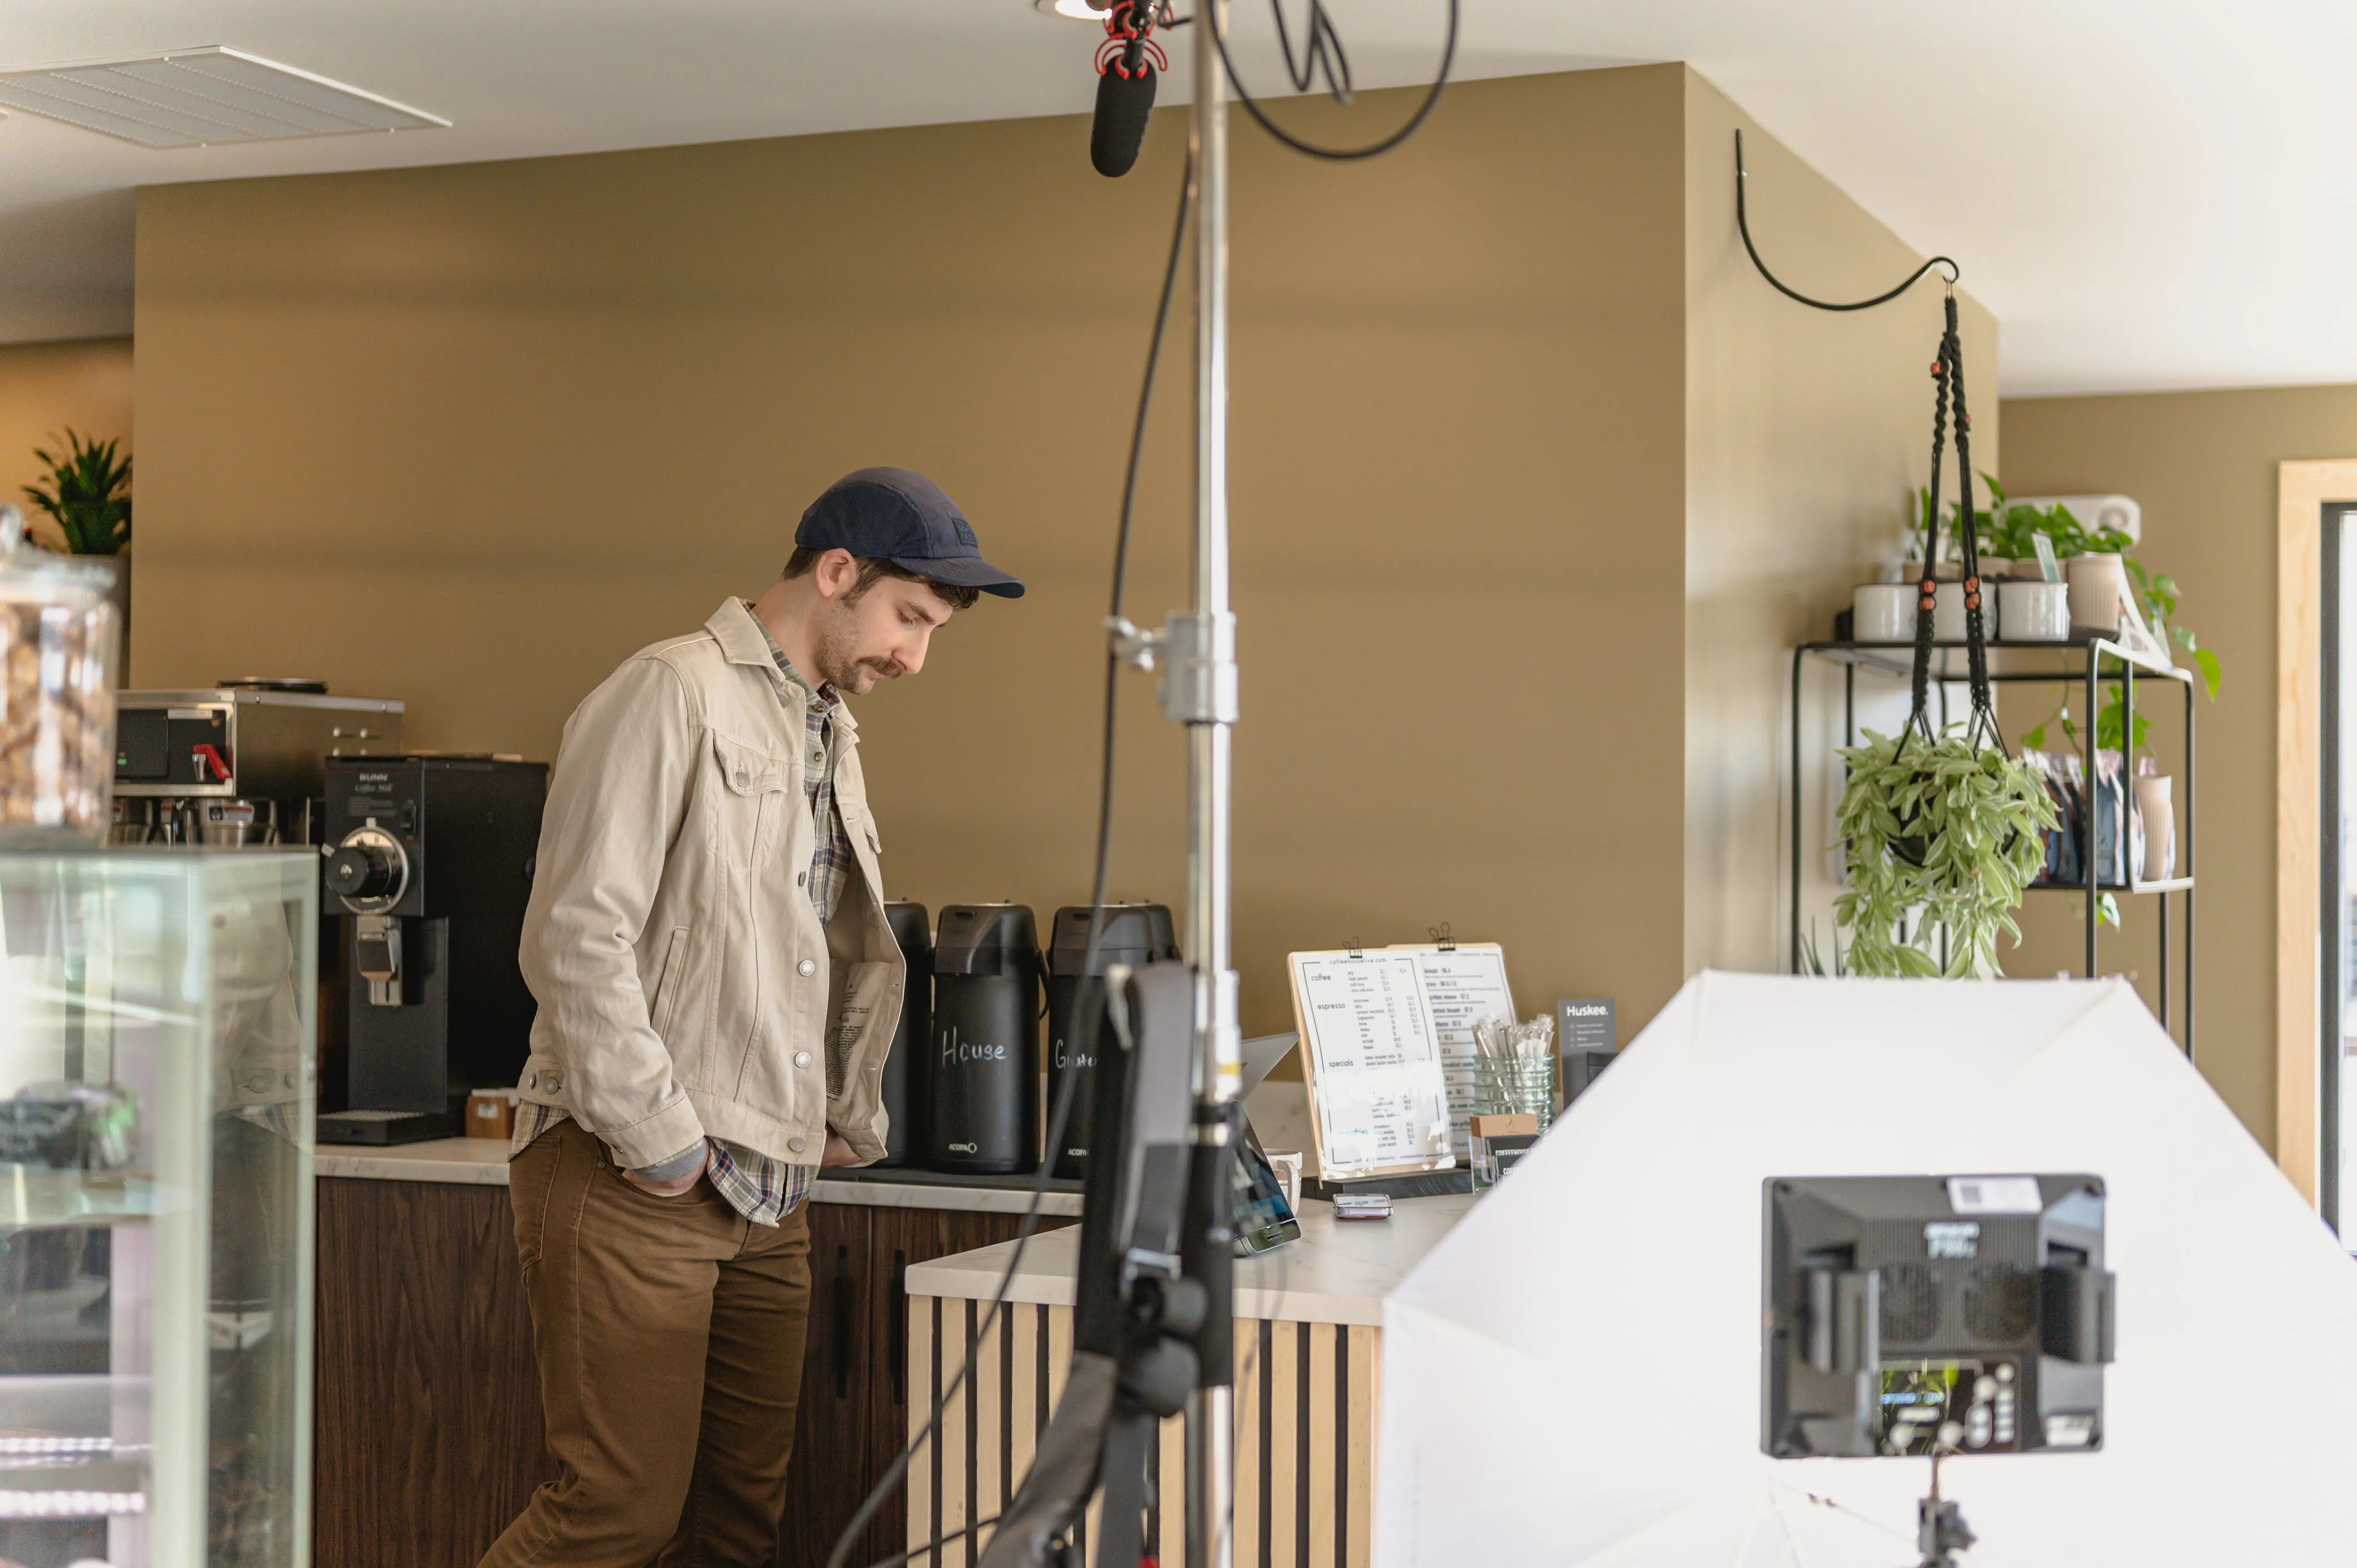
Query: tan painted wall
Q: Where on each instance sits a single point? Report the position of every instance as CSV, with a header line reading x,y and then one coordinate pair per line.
x,y
467,435
46,387
1806,434
2203,465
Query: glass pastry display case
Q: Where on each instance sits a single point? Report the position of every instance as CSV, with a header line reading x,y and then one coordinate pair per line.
x,y
156,1089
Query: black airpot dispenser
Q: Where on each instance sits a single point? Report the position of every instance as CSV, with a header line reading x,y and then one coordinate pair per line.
x,y
1134,934
983,1093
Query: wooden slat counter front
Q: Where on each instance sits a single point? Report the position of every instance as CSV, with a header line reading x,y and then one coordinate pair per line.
x,y
1308,1335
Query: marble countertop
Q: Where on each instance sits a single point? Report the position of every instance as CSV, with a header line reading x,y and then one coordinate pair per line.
x,y
483,1161
1340,1272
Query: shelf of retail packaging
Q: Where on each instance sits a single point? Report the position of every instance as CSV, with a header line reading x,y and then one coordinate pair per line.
x,y
34,1194
483,1161
2172,884
2097,660
1899,658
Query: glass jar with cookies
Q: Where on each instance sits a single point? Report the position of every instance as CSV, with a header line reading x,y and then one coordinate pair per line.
x,y
57,690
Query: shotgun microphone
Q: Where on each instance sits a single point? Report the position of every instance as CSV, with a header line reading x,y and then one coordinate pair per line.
x,y
1128,62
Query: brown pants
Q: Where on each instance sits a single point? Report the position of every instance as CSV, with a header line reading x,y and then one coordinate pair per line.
x,y
670,1335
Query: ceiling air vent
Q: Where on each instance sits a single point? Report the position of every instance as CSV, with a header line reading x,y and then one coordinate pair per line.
x,y
195,98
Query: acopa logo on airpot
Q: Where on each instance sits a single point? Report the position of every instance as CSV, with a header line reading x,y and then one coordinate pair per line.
x,y
957,1052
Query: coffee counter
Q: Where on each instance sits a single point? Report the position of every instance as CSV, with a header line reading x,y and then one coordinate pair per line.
x,y
1309,1340
483,1161
1340,1272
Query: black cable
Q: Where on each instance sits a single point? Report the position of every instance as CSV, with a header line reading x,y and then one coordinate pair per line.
x,y
1311,149
1323,51
1743,227
1057,1118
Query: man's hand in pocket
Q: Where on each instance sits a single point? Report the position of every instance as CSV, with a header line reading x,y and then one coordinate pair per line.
x,y
676,1185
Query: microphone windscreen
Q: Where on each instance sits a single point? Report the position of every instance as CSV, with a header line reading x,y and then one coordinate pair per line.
x,y
1124,106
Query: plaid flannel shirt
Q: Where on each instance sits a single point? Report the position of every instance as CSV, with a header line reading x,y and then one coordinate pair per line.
x,y
762,1188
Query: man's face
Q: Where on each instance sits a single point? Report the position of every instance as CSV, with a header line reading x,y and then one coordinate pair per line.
x,y
880,636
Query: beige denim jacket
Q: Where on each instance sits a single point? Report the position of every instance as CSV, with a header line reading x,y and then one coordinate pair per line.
x,y
686,985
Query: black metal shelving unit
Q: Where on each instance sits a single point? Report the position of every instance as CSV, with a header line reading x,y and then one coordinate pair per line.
x,y
2094,664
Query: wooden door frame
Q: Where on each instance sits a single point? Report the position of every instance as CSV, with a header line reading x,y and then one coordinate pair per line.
x,y
2303,491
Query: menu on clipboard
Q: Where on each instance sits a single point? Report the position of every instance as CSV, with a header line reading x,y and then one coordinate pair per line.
x,y
1466,986
1379,1103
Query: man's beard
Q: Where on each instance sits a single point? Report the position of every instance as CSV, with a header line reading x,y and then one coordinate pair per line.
x,y
839,664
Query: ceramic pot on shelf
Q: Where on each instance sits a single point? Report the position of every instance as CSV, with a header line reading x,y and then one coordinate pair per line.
x,y
1882,612
2155,806
2033,611
2099,585
1948,612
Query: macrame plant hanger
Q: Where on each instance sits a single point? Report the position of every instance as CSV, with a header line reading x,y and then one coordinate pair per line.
x,y
1948,376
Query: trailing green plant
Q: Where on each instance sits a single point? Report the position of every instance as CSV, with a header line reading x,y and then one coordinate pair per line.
x,y
85,496
1937,833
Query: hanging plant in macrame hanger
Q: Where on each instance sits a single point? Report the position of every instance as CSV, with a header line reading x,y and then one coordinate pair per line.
x,y
1941,830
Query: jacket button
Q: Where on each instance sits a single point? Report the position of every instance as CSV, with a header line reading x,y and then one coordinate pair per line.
x,y
551,1082
807,968
740,778
801,878
793,1146
801,1059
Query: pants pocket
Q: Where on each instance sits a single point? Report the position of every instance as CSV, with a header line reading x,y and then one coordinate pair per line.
x,y
531,1177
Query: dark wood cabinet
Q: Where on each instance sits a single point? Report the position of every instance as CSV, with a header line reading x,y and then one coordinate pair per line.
x,y
854,1415
428,1420
427,1436
825,1479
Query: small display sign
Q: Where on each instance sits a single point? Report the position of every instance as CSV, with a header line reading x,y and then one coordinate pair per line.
x,y
1585,1038
1585,1024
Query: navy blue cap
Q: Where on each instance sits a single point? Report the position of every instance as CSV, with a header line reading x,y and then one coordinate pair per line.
x,y
900,516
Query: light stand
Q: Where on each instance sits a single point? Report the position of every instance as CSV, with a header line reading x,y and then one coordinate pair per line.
x,y
1199,692
1940,1529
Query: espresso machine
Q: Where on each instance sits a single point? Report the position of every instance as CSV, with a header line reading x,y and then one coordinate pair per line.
x,y
239,763
430,860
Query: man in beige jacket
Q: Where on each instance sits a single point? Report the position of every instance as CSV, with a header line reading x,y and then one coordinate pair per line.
x,y
717,989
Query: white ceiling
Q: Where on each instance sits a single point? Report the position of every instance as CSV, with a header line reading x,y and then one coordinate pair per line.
x,y
2150,193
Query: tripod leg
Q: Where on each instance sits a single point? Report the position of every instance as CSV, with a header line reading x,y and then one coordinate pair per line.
x,y
1120,1532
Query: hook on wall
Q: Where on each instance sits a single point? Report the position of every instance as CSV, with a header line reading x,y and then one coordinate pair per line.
x,y
1743,227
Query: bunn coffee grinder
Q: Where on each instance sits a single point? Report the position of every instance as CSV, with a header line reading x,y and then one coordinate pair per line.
x,y
903,1083
1133,934
431,860
982,1097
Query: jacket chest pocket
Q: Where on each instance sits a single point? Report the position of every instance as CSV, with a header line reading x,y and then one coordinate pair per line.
x,y
752,796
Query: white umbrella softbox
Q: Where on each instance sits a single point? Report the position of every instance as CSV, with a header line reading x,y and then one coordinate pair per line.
x,y
1573,1375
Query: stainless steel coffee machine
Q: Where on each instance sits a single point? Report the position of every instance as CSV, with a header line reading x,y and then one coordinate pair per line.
x,y
240,763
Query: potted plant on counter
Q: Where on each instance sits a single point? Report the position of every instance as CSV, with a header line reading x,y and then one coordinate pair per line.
x,y
88,497
1945,831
